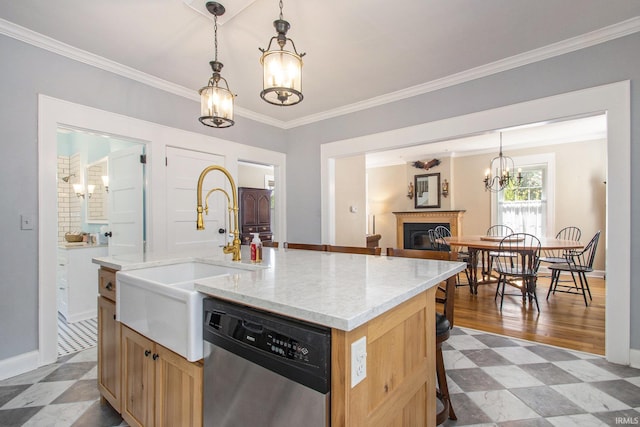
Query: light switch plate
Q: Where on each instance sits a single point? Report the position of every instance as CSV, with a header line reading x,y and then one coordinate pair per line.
x,y
26,222
358,361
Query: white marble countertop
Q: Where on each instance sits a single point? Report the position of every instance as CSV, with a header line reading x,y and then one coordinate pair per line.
x,y
341,291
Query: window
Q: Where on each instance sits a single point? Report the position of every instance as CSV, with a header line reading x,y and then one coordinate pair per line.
x,y
528,208
524,208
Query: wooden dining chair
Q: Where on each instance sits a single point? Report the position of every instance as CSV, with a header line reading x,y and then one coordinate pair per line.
x,y
444,323
560,256
580,263
442,232
516,262
354,250
305,246
498,230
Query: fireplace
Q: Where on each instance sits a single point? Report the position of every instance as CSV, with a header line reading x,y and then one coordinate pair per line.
x,y
415,234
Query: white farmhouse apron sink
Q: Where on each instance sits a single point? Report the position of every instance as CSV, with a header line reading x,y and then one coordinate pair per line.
x,y
162,304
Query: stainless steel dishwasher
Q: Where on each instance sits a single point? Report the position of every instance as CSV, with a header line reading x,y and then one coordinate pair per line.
x,y
261,369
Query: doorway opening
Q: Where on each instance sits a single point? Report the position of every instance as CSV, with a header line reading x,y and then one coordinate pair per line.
x,y
612,99
88,178
261,177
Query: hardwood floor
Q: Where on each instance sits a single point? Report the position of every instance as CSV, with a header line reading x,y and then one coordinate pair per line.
x,y
563,321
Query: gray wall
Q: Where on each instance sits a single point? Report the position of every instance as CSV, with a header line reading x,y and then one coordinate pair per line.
x,y
27,71
605,63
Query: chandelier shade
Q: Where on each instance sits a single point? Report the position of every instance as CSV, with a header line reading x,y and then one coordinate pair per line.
x,y
500,173
216,101
281,69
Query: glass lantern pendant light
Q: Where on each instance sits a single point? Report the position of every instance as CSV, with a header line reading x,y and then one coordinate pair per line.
x,y
216,102
282,69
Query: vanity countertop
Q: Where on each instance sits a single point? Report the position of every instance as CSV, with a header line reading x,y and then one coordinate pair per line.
x,y
337,290
79,245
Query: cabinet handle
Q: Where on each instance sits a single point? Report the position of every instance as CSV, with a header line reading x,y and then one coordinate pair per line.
x,y
147,353
114,317
109,286
155,356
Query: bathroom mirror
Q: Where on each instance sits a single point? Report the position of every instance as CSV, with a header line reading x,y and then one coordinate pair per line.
x,y
97,206
427,190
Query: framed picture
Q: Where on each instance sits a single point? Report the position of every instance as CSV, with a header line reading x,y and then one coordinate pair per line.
x,y
427,191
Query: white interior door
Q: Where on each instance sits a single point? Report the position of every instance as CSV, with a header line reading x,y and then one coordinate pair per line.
x,y
126,201
183,169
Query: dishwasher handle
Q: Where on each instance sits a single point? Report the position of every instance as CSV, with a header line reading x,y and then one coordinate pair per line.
x,y
252,327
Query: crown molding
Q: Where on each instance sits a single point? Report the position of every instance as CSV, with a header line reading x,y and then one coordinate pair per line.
x,y
593,38
52,45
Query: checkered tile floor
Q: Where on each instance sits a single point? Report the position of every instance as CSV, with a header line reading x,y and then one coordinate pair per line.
x,y
494,381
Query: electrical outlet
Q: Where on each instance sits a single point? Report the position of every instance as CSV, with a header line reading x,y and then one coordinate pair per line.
x,y
358,361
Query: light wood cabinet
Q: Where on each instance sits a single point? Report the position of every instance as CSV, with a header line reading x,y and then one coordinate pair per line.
x,y
159,387
108,340
400,386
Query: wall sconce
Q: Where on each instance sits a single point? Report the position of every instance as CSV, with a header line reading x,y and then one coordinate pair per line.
x,y
410,191
445,188
79,190
105,182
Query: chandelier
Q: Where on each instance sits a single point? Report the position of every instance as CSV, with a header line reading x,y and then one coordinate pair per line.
x,y
502,178
216,102
281,69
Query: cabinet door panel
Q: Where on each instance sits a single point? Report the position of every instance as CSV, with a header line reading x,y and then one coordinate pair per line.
x,y
249,208
264,210
108,352
137,379
178,390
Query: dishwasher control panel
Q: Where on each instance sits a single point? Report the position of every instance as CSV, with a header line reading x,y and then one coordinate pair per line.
x,y
279,337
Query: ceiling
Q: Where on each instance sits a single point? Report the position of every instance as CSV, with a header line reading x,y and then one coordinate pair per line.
x,y
526,136
359,53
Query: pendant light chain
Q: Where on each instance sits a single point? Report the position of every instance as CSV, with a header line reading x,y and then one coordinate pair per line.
x,y
281,5
215,36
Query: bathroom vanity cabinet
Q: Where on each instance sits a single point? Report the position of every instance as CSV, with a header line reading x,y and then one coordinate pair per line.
x,y
76,275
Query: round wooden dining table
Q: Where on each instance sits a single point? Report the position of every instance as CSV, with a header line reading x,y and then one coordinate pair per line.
x,y
476,244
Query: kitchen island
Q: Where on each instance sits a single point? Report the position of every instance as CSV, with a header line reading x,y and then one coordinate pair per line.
x,y
390,301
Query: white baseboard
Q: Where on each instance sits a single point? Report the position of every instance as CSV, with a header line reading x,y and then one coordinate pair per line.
x,y
19,364
77,317
634,358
